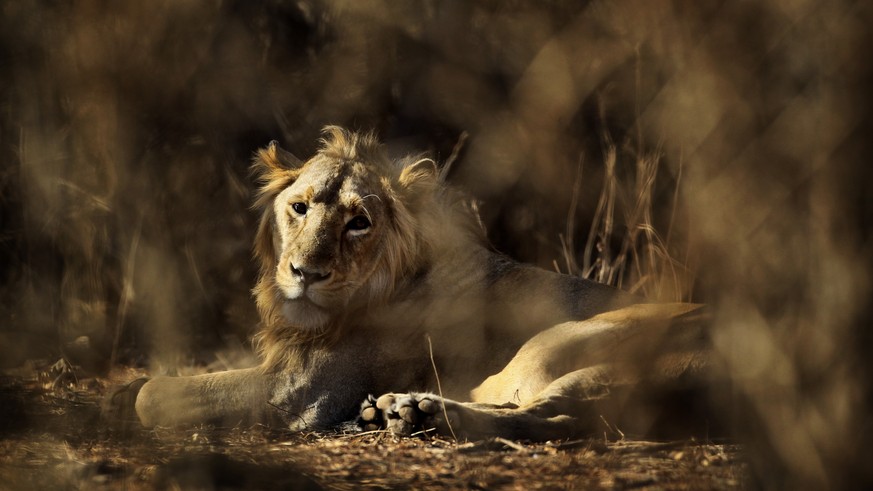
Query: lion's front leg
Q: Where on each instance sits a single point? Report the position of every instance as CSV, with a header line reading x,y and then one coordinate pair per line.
x,y
223,397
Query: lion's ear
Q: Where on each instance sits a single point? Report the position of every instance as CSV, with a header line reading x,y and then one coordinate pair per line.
x,y
420,176
273,169
274,165
275,158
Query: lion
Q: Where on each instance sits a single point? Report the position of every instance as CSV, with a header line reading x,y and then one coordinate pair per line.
x,y
381,302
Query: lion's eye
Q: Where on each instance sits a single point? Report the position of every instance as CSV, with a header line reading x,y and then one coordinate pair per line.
x,y
358,223
299,208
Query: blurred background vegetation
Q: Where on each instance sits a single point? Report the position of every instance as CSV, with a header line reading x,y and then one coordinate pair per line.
x,y
707,151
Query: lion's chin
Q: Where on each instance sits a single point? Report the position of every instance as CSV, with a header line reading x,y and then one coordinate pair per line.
x,y
304,314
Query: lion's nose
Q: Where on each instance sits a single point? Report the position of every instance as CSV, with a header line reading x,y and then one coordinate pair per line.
x,y
309,276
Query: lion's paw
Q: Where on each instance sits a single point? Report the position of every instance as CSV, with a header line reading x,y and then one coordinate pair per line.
x,y
407,414
119,406
370,417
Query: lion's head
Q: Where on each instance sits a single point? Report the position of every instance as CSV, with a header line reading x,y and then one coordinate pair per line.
x,y
337,233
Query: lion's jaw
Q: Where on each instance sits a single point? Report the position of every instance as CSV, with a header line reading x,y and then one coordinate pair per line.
x,y
305,315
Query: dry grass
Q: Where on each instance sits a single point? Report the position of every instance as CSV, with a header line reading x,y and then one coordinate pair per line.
x,y
66,447
646,262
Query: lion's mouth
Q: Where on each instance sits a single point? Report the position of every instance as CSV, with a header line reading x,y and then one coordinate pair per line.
x,y
305,313
298,292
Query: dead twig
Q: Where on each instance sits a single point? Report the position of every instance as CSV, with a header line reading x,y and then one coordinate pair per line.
x,y
456,151
127,293
439,388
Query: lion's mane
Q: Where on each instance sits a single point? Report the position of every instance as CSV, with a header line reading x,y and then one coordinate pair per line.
x,y
423,211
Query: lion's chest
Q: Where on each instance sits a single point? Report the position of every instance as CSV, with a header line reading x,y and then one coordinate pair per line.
x,y
329,386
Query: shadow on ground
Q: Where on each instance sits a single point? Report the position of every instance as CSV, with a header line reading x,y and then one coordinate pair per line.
x,y
52,437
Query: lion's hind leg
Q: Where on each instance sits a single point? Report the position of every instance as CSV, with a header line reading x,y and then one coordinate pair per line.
x,y
632,338
581,403
563,410
564,381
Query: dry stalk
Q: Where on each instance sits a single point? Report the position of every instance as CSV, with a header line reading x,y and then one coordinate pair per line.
x,y
456,151
439,387
127,293
643,263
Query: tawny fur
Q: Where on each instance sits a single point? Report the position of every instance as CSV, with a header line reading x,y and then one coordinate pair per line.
x,y
372,273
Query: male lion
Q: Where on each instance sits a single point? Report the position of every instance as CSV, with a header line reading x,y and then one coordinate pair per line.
x,y
375,276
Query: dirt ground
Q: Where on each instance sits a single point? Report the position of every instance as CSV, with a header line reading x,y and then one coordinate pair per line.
x,y
52,437
731,142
